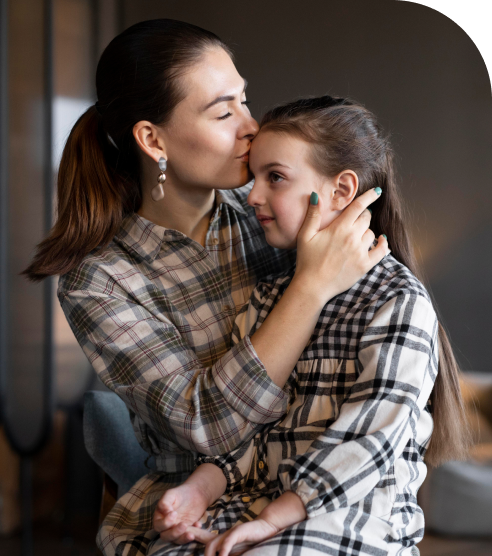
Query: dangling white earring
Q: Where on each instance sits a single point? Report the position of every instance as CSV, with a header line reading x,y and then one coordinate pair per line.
x,y
158,191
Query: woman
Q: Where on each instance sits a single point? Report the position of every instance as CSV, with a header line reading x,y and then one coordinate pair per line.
x,y
152,270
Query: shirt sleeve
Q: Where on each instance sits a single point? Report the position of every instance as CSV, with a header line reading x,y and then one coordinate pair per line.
x,y
397,359
148,364
237,465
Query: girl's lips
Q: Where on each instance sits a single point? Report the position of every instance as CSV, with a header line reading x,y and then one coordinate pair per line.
x,y
245,157
264,220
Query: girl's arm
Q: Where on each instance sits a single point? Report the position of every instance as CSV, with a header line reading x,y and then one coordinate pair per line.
x,y
398,361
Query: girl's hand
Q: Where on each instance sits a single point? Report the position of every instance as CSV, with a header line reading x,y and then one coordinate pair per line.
x,y
332,260
240,538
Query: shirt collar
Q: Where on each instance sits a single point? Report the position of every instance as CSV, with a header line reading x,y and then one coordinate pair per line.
x,y
145,238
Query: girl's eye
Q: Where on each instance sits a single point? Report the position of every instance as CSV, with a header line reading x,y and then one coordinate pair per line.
x,y
246,102
275,178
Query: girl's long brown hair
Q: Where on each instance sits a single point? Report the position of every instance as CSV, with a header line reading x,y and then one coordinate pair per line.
x,y
345,135
137,78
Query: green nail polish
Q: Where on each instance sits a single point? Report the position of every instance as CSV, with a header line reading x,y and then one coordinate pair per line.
x,y
314,198
370,210
378,190
385,237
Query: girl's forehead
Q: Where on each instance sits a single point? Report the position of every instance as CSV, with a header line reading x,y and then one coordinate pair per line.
x,y
272,146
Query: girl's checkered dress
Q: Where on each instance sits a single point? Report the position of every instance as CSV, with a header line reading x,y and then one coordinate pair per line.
x,y
353,440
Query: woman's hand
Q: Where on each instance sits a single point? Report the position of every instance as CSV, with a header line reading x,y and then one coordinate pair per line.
x,y
332,260
178,510
240,538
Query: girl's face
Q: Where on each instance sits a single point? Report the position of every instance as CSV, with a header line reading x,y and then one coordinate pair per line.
x,y
208,137
284,180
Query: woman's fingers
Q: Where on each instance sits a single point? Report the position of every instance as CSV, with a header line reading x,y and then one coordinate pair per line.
x,y
312,220
378,252
359,205
172,534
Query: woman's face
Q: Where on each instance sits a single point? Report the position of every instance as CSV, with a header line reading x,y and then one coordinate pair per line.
x,y
208,137
284,180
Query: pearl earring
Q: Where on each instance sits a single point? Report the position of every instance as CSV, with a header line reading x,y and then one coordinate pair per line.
x,y
158,191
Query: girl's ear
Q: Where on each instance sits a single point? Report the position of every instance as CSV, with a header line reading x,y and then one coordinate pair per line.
x,y
346,185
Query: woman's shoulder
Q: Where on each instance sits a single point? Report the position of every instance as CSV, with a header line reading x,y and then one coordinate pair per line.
x,y
98,271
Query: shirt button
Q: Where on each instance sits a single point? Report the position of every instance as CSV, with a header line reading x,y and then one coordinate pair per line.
x,y
261,465
226,308
245,499
215,241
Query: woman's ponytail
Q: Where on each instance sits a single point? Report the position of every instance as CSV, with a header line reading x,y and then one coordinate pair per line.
x,y
137,79
90,203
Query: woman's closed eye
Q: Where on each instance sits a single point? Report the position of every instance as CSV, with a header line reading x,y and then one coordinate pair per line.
x,y
225,116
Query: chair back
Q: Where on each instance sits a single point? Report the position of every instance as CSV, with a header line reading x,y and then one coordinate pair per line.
x,y
110,440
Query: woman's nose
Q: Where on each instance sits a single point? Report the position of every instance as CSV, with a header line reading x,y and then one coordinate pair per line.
x,y
250,128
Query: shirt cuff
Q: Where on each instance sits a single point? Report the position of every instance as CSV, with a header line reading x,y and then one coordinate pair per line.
x,y
242,378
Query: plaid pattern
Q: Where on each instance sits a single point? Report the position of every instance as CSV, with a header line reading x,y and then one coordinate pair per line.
x,y
353,440
153,312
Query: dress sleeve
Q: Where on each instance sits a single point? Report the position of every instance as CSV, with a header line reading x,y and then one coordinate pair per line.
x,y
148,364
397,360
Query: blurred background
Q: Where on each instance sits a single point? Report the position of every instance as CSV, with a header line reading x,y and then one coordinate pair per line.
x,y
412,66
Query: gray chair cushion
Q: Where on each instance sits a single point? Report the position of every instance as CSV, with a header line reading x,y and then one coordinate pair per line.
x,y
459,499
110,440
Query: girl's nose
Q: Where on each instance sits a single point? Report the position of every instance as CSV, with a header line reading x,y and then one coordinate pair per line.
x,y
255,197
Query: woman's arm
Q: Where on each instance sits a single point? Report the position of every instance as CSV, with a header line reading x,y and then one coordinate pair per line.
x,y
398,362
329,262
211,410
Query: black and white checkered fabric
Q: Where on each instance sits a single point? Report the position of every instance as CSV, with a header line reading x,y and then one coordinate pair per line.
x,y
353,440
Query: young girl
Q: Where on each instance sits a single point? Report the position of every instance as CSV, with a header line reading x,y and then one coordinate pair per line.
x,y
339,473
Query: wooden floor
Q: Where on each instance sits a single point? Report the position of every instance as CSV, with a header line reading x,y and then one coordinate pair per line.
x,y
51,543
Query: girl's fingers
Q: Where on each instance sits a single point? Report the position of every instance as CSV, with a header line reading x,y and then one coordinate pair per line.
x,y
203,536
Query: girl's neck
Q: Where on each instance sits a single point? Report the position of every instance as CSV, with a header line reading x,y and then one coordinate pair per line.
x,y
187,210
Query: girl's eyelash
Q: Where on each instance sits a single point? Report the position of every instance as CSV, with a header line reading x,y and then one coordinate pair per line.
x,y
225,116
274,174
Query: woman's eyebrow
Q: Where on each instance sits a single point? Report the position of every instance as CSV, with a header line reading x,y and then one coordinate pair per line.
x,y
224,98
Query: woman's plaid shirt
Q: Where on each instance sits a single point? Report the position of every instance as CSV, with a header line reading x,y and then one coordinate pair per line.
x,y
153,312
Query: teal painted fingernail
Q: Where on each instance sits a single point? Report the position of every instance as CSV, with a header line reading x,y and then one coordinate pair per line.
x,y
314,198
370,210
378,190
385,237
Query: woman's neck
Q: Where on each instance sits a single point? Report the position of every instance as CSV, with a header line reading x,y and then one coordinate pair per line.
x,y
187,210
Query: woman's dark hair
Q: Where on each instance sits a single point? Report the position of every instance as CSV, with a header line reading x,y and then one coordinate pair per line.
x,y
345,135
137,78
